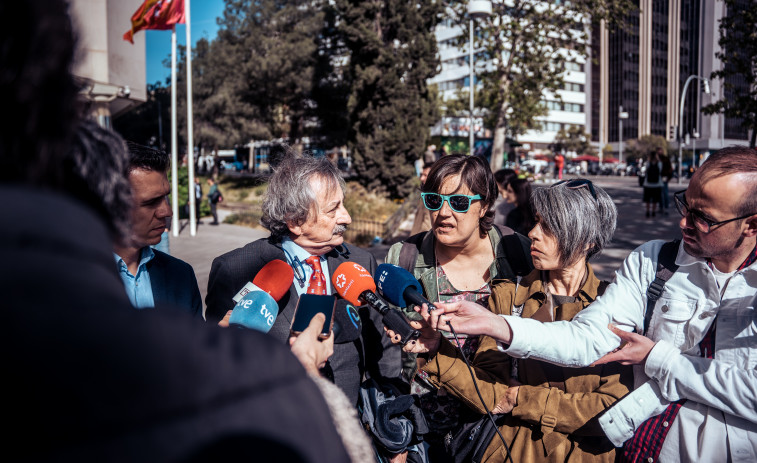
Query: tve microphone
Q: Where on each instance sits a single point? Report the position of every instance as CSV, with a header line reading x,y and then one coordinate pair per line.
x,y
257,310
347,324
353,282
275,278
398,286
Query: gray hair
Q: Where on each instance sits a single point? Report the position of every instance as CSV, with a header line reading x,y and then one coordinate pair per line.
x,y
582,225
289,197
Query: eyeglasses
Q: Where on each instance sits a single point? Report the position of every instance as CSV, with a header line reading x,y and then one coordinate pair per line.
x,y
458,203
577,183
701,222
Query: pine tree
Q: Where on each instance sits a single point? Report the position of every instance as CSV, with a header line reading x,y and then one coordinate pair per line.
x,y
392,54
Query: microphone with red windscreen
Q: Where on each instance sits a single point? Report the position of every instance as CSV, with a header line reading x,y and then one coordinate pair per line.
x,y
256,306
355,284
275,278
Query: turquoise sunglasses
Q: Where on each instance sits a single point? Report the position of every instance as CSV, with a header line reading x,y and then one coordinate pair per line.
x,y
458,203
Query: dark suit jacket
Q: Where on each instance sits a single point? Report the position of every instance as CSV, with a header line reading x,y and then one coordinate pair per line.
x,y
372,352
174,284
92,379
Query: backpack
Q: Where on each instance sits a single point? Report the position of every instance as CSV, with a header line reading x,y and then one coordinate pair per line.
x,y
515,262
653,172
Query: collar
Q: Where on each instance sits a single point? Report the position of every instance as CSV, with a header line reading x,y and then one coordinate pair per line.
x,y
531,288
427,259
294,251
146,254
683,258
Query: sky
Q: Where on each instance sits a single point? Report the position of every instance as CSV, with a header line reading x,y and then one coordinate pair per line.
x,y
202,14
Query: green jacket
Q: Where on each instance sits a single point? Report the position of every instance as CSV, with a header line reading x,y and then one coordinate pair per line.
x,y
425,272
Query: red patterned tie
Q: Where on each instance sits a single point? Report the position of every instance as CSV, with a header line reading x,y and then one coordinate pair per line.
x,y
317,283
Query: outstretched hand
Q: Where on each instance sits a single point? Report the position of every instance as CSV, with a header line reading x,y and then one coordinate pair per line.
x,y
467,317
427,342
634,348
310,350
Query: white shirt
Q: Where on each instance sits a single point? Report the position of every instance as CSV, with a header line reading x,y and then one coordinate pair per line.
x,y
296,257
718,422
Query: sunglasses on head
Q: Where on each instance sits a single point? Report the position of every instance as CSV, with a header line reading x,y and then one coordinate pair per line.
x,y
458,203
577,183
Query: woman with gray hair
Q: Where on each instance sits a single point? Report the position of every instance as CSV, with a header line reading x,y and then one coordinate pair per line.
x,y
550,411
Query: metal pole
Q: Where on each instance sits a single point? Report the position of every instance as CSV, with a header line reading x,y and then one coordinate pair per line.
x,y
190,135
620,136
471,87
174,142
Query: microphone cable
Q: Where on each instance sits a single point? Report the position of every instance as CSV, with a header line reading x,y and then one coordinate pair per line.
x,y
480,397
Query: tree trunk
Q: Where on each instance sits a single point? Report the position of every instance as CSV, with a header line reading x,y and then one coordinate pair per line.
x,y
754,137
498,148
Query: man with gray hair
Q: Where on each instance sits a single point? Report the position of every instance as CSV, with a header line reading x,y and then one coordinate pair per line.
x,y
304,210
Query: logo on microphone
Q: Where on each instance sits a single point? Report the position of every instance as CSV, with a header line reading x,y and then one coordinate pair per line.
x,y
341,280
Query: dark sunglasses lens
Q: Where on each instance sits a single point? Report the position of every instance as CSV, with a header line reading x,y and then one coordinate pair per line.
x,y
432,201
459,203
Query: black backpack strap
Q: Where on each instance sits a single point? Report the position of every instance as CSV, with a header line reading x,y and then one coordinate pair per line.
x,y
516,259
666,267
411,247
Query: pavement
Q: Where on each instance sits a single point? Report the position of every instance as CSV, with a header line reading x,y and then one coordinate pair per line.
x,y
633,230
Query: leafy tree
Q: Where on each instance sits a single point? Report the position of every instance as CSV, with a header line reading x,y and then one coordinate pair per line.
x,y
529,43
642,146
738,44
574,139
392,54
255,79
141,125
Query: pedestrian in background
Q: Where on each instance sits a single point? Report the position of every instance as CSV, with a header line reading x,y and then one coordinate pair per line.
x,y
214,197
653,183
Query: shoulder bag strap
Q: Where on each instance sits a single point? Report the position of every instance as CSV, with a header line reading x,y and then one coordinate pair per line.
x,y
666,267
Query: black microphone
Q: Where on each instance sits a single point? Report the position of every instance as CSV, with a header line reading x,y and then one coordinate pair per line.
x,y
347,324
399,287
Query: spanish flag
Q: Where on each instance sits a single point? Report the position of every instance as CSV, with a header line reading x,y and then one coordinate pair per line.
x,y
156,14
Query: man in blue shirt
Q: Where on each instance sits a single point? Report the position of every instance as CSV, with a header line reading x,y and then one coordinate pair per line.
x,y
152,277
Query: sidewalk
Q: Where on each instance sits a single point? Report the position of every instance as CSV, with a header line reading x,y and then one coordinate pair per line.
x,y
210,242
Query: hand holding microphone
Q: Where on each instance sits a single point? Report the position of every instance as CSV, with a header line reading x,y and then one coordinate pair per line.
x,y
400,288
353,282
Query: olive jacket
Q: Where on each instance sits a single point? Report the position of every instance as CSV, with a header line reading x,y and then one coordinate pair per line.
x,y
555,418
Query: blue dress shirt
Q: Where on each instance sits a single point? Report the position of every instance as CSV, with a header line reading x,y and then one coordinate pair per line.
x,y
138,287
296,257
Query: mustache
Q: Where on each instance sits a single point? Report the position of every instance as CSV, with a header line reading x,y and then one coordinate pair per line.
x,y
339,229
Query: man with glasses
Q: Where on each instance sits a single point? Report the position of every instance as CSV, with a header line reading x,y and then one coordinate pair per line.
x,y
695,359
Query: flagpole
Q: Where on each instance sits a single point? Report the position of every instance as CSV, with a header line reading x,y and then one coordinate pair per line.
x,y
174,142
190,134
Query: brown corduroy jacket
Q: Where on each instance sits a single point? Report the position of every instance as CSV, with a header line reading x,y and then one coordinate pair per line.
x,y
555,419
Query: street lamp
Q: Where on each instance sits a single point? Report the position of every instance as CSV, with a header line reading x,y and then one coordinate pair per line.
x,y
706,84
694,136
621,115
476,9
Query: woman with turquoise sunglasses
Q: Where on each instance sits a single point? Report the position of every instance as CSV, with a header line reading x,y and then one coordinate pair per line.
x,y
454,261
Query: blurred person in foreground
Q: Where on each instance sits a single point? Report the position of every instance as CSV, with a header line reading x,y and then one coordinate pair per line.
x,y
151,277
551,411
693,348
457,260
93,379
